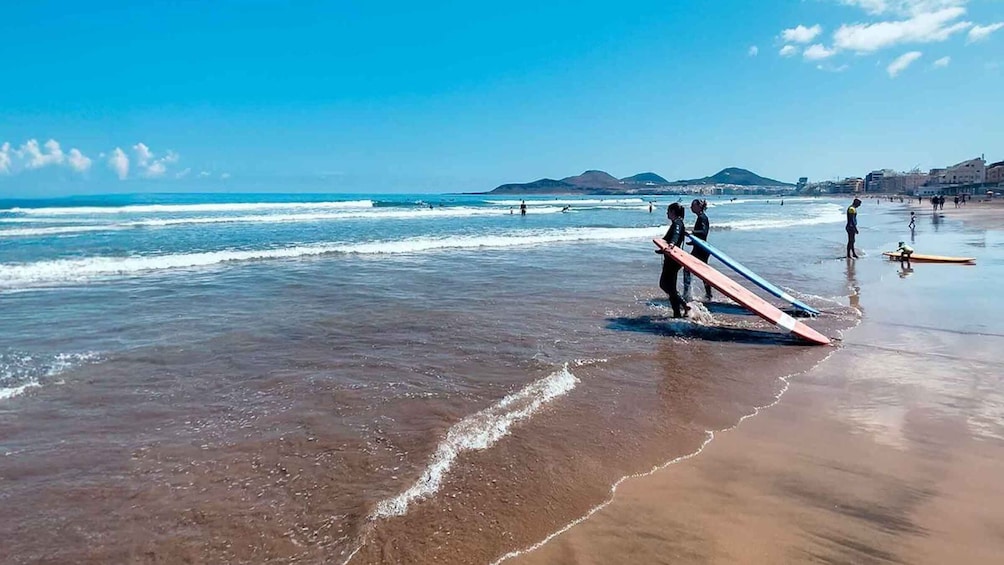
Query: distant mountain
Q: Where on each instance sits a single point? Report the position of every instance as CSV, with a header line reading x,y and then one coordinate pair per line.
x,y
645,178
600,182
733,175
542,186
594,179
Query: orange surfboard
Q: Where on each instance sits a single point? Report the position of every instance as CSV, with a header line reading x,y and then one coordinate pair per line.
x,y
741,294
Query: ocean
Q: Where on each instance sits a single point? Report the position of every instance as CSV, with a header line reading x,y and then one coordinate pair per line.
x,y
371,378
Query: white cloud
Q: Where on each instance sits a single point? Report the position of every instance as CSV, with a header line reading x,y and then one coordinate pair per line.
x,y
817,51
36,158
204,174
942,62
833,69
225,176
155,169
78,161
119,162
801,34
788,51
5,158
902,62
924,27
143,154
979,33
902,7
151,166
182,174
753,51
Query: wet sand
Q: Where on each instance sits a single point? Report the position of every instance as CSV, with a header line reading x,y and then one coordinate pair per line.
x,y
889,451
988,214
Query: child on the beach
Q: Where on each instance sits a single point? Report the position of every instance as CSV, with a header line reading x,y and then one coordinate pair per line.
x,y
905,251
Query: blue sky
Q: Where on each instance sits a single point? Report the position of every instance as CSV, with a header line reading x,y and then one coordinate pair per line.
x,y
436,96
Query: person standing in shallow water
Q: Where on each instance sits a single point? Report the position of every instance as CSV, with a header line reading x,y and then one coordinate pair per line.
x,y
702,227
670,268
852,227
522,207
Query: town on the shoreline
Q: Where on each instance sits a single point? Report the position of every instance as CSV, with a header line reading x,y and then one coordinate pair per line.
x,y
973,177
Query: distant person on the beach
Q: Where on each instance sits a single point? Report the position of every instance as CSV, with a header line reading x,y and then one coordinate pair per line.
x,y
941,202
852,227
913,221
920,200
510,210
649,207
956,201
670,268
934,203
782,202
522,207
702,227
565,209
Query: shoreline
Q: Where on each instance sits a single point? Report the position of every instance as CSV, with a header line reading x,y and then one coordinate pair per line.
x,y
729,504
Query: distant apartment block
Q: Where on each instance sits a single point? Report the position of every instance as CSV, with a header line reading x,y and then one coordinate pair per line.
x,y
972,171
995,173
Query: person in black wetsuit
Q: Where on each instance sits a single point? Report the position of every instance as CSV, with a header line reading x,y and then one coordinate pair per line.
x,y
702,227
670,268
852,227
522,207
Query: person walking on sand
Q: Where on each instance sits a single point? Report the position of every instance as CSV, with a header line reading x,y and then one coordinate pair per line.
x,y
913,221
702,227
522,207
670,268
852,227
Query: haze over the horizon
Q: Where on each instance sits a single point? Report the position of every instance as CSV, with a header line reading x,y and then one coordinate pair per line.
x,y
434,97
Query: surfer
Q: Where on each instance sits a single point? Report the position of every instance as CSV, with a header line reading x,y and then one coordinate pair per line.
x,y
522,207
702,227
852,227
670,268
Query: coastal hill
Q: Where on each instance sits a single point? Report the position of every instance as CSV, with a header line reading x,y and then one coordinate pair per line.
x,y
600,182
645,178
733,175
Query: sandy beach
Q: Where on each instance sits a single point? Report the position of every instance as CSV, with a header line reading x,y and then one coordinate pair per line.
x,y
988,214
888,451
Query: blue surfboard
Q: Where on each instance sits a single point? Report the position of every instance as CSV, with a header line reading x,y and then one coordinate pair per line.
x,y
753,277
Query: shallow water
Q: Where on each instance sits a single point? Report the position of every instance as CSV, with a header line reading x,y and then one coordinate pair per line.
x,y
269,377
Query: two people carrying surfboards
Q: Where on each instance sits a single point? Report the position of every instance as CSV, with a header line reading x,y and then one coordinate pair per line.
x,y
675,237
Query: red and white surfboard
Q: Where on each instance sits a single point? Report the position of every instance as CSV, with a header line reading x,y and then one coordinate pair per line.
x,y
741,294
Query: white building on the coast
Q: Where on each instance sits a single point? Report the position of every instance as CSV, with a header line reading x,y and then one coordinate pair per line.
x,y
972,171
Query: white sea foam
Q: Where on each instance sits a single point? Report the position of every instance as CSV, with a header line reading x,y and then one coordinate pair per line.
x,y
477,432
824,214
13,391
26,369
187,208
60,230
359,214
59,271
567,202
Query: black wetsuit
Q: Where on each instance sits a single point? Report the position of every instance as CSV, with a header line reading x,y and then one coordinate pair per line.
x,y
702,227
670,268
852,230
